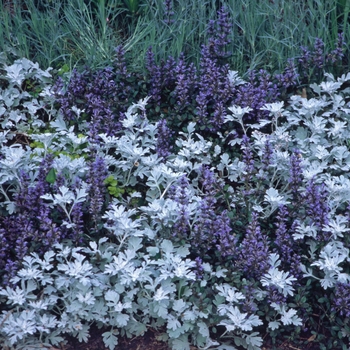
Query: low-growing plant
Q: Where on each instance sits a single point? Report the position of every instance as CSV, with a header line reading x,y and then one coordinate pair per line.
x,y
215,248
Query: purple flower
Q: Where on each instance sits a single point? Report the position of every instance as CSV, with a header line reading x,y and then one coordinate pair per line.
x,y
4,246
305,60
169,69
289,77
181,195
155,76
247,159
316,198
256,93
185,83
168,13
295,173
204,230
164,139
16,232
28,198
275,296
226,241
120,63
220,32
253,253
219,115
338,53
199,270
267,155
318,54
214,89
11,267
248,304
201,108
96,176
285,245
50,232
341,299
75,90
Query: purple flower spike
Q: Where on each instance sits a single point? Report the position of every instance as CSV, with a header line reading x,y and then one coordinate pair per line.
x,y
285,245
97,175
338,53
156,76
318,55
316,197
253,253
226,241
296,173
168,13
164,147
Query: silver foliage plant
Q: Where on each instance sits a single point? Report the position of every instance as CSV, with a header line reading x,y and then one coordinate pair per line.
x,y
140,278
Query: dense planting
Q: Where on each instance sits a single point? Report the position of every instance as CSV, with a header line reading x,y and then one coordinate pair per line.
x,y
234,240
180,197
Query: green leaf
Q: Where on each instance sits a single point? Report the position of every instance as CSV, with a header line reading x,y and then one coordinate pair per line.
x,y
51,176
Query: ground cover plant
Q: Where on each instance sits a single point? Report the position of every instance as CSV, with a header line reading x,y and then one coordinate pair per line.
x,y
179,196
216,244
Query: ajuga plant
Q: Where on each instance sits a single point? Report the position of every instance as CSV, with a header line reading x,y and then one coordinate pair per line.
x,y
312,63
181,92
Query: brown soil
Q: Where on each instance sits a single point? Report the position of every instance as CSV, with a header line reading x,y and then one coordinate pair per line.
x,y
149,342
146,342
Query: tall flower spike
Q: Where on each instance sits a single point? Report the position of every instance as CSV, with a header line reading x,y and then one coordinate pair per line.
x,y
96,176
305,60
155,74
226,242
219,116
289,77
185,83
51,233
120,62
219,33
199,268
338,53
285,245
295,173
168,13
253,253
267,155
247,159
318,54
204,230
169,72
316,197
164,140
